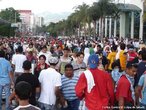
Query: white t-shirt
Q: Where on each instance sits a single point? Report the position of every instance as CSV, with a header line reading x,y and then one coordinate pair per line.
x,y
47,55
18,60
49,79
27,107
25,46
15,46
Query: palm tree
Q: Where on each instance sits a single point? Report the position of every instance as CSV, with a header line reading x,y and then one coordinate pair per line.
x,y
94,14
82,15
73,21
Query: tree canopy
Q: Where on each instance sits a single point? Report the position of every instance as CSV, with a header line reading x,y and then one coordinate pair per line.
x,y
11,16
82,18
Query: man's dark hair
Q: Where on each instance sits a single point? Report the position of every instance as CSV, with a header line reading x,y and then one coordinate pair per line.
x,y
58,46
2,53
114,48
26,65
66,48
116,63
140,53
143,54
44,57
131,65
99,46
44,47
68,66
131,46
122,46
20,49
31,44
23,90
80,53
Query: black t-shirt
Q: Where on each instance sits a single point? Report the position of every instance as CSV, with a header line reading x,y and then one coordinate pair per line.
x,y
33,81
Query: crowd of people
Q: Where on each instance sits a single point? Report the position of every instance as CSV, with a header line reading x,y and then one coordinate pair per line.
x,y
72,73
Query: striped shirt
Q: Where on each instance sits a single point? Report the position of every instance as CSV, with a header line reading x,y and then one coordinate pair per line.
x,y
68,87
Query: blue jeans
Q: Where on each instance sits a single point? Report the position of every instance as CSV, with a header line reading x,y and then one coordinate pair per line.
x,y
6,88
43,106
72,105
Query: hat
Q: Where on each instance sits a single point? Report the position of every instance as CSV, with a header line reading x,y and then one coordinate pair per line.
x,y
93,61
53,60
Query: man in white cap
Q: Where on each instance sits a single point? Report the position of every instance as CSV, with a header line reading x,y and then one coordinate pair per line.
x,y
95,86
50,81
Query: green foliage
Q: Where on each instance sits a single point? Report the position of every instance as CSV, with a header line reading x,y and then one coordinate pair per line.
x,y
83,14
6,30
94,11
10,15
52,30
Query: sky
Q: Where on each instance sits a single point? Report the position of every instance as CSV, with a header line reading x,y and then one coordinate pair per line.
x,y
51,10
39,6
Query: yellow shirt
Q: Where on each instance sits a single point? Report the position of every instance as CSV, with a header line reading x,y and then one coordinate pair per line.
x,y
111,57
123,59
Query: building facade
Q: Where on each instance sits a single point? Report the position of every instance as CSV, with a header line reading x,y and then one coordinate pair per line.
x,y
129,23
140,4
25,16
29,22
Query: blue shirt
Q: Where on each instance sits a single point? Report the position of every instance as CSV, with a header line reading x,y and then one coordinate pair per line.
x,y
5,68
141,83
68,87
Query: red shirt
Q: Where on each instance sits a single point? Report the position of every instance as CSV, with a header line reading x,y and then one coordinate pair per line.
x,y
132,56
101,95
123,89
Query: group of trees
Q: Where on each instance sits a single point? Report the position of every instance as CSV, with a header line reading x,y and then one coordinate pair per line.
x,y
9,15
82,17
82,20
